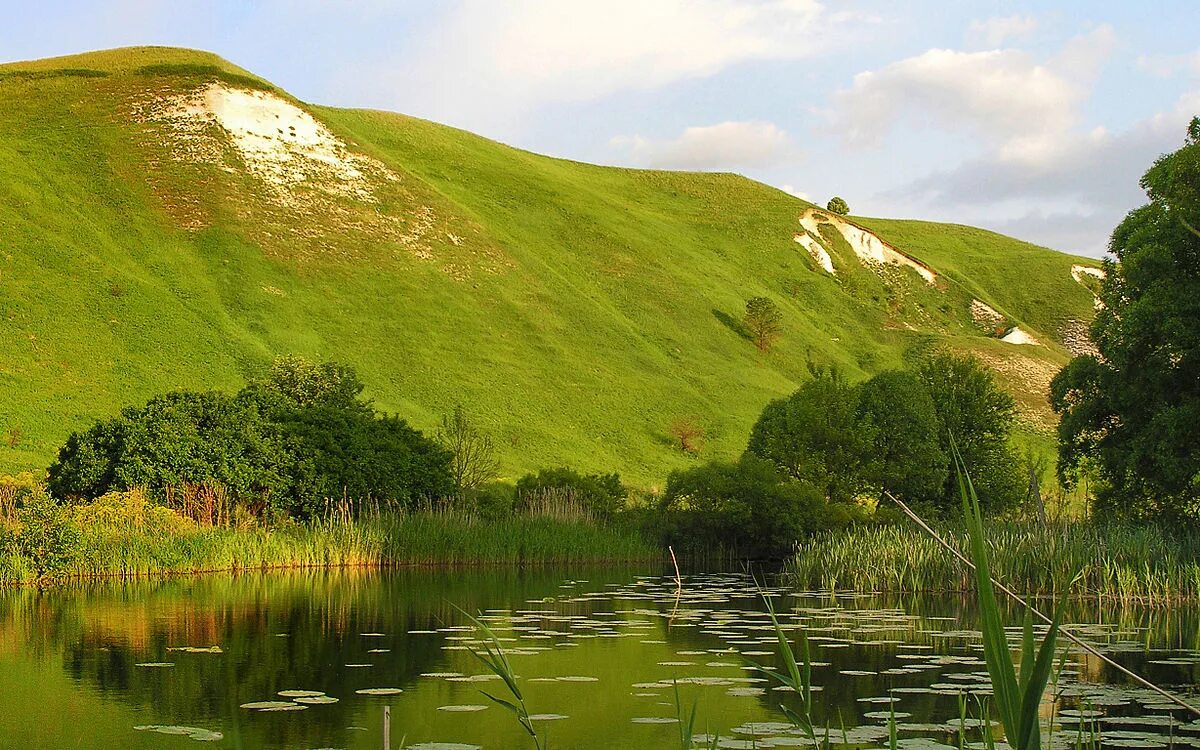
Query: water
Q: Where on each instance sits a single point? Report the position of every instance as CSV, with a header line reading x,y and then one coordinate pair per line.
x,y
597,650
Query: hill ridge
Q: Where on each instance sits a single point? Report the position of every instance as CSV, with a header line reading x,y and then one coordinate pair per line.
x,y
575,310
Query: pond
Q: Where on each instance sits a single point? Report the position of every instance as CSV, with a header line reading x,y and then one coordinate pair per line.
x,y
309,660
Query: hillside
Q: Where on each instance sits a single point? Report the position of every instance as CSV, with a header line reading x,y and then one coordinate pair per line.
x,y
168,220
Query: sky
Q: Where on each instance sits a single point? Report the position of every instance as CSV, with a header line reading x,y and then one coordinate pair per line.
x,y
1035,119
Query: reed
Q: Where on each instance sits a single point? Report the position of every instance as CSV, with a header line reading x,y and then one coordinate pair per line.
x,y
128,539
1120,563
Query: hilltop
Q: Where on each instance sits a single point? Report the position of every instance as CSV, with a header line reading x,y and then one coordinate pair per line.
x,y
169,220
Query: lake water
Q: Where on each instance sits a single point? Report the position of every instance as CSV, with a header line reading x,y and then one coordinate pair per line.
x,y
596,649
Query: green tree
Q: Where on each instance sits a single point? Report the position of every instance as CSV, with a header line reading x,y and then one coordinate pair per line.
x,y
905,457
177,439
978,416
302,383
763,321
1132,412
745,507
813,436
838,206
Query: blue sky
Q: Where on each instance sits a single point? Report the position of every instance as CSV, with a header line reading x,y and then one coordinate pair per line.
x,y
1035,119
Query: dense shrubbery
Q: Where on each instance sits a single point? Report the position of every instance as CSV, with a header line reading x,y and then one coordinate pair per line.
x,y
600,494
288,442
745,508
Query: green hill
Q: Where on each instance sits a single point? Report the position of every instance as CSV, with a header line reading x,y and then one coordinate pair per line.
x,y
168,220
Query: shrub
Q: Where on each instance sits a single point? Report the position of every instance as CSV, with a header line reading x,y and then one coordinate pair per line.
x,y
47,536
124,513
746,507
286,443
601,494
342,453
180,438
838,206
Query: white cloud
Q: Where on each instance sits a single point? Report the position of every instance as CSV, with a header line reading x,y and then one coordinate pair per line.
x,y
492,60
995,31
791,190
1001,94
726,145
1090,179
1015,102
1168,66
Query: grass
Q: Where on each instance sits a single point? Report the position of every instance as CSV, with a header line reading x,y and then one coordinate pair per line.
x,y
575,311
1127,564
378,540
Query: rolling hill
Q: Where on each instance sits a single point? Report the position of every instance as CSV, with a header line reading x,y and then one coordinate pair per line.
x,y
169,220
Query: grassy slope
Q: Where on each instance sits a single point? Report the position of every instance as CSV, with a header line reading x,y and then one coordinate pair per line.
x,y
577,311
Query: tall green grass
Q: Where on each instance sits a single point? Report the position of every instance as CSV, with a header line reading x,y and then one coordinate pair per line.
x,y
1128,564
377,540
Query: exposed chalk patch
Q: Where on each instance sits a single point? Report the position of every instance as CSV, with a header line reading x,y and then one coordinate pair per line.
x,y
1016,335
866,244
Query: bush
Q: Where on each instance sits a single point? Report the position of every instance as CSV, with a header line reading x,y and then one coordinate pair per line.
x,y
285,443
601,494
747,508
124,513
838,206
47,536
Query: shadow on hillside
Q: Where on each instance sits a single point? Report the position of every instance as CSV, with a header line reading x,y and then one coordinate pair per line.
x,y
731,323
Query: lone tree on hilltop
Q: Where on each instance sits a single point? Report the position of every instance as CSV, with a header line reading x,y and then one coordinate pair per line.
x,y
764,322
838,205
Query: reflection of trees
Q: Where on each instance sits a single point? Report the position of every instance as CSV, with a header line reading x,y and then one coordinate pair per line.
x,y
103,631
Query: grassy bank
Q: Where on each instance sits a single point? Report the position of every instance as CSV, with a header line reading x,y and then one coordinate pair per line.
x,y
1121,563
125,538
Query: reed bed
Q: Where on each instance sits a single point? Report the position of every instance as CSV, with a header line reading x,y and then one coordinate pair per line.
x,y
127,541
1128,564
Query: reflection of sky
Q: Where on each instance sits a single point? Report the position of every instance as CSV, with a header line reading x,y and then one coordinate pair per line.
x,y
603,649
1036,121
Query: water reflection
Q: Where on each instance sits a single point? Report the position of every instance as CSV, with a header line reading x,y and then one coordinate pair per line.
x,y
598,651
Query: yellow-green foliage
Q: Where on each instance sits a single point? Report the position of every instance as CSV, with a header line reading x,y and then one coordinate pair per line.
x,y
126,514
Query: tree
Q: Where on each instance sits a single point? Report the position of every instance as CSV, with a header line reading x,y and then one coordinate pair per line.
x,y
472,453
177,439
301,383
688,434
905,457
1131,412
838,206
763,321
747,507
977,416
813,436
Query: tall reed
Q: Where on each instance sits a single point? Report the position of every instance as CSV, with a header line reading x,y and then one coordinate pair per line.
x,y
1121,563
